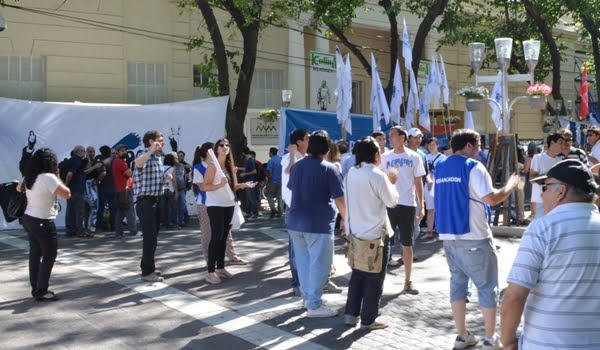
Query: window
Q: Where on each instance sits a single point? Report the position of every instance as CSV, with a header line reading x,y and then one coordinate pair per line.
x,y
200,81
146,83
265,91
23,77
357,94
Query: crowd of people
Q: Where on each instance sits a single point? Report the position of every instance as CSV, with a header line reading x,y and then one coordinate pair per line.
x,y
376,196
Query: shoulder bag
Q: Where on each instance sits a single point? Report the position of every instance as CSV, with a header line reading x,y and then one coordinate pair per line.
x,y
364,254
17,202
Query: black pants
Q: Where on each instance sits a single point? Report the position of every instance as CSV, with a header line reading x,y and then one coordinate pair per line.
x,y
147,209
106,197
220,225
364,291
74,215
43,247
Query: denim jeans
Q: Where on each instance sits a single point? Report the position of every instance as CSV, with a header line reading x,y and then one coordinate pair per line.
x,y
273,193
147,209
181,203
252,200
91,200
43,246
365,289
313,254
293,269
129,214
176,209
474,260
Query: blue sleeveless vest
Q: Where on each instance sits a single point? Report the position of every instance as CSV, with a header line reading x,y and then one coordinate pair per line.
x,y
202,171
452,195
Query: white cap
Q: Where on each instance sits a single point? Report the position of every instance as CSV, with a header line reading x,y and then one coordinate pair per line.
x,y
413,132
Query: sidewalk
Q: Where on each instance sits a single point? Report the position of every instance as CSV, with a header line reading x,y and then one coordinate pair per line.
x,y
104,304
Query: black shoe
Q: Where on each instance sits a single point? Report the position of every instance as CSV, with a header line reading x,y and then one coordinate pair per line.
x,y
48,296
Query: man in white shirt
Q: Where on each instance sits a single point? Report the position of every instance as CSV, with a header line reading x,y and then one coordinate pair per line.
x,y
433,158
593,139
541,163
415,137
409,166
296,151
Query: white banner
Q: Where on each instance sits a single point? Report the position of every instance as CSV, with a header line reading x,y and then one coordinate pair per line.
x,y
322,81
61,126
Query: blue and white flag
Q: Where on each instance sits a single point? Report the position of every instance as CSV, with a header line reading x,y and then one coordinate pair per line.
x,y
434,81
397,95
424,110
497,96
444,79
413,101
347,90
406,49
469,124
379,105
341,91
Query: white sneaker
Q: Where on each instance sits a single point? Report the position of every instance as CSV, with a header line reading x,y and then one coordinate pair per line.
x,y
152,277
491,343
465,342
321,312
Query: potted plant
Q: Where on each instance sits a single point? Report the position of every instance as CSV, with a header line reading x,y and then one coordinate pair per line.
x,y
547,125
537,94
269,116
474,95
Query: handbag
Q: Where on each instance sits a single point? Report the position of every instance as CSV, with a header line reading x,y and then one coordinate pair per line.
x,y
237,220
364,254
17,203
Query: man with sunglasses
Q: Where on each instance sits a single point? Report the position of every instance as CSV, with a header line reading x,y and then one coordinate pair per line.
x,y
570,152
556,268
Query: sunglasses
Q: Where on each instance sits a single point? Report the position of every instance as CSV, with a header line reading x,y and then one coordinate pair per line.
x,y
224,145
545,186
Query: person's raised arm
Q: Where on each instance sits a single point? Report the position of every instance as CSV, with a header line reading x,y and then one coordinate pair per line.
x,y
497,196
141,161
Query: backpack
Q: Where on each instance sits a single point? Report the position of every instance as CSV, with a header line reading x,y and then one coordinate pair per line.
x,y
261,173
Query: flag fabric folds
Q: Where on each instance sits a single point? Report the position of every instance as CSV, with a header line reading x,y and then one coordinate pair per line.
x,y
344,95
584,107
469,124
444,80
397,95
413,96
497,96
379,105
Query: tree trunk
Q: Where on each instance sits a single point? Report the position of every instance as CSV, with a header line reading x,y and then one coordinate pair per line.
x,y
220,54
350,46
424,28
546,32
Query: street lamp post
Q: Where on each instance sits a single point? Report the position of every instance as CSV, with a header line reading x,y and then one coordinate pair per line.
x,y
531,49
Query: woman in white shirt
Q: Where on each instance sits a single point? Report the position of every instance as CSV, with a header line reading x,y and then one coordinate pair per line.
x,y
220,202
42,186
369,192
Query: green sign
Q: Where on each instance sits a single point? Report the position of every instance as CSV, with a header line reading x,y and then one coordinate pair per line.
x,y
322,60
423,69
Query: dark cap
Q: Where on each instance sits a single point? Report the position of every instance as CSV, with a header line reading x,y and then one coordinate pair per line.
x,y
571,172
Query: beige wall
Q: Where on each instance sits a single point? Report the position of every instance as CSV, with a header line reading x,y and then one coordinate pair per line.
x,y
89,64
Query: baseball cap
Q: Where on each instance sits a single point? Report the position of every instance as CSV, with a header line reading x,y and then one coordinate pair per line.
x,y
594,129
412,132
571,172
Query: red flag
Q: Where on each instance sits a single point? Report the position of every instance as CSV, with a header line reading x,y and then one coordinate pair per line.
x,y
583,93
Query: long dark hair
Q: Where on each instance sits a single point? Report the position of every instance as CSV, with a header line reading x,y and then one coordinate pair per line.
x,y
229,165
43,161
201,152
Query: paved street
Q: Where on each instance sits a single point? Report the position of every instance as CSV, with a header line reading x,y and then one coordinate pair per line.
x,y
104,305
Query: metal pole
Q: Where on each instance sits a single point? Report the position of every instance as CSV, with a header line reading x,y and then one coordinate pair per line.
x,y
505,101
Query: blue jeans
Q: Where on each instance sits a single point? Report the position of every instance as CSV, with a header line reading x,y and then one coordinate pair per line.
x,y
176,206
313,254
475,260
365,289
293,269
252,200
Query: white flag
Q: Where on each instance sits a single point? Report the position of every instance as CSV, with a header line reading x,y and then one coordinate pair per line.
x,y
424,110
434,81
347,90
444,79
469,124
497,95
406,50
397,95
339,74
413,101
379,105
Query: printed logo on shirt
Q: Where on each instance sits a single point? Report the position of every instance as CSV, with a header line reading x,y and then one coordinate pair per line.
x,y
448,179
399,163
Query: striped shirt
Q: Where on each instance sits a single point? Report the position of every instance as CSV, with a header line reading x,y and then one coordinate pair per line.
x,y
148,180
559,261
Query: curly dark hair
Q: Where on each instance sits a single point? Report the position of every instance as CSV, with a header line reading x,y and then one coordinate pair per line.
x,y
43,161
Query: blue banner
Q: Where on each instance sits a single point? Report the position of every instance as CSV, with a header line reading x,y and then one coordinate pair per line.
x,y
311,120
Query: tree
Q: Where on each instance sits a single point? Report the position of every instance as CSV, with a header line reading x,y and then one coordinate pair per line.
x,y
338,16
247,18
